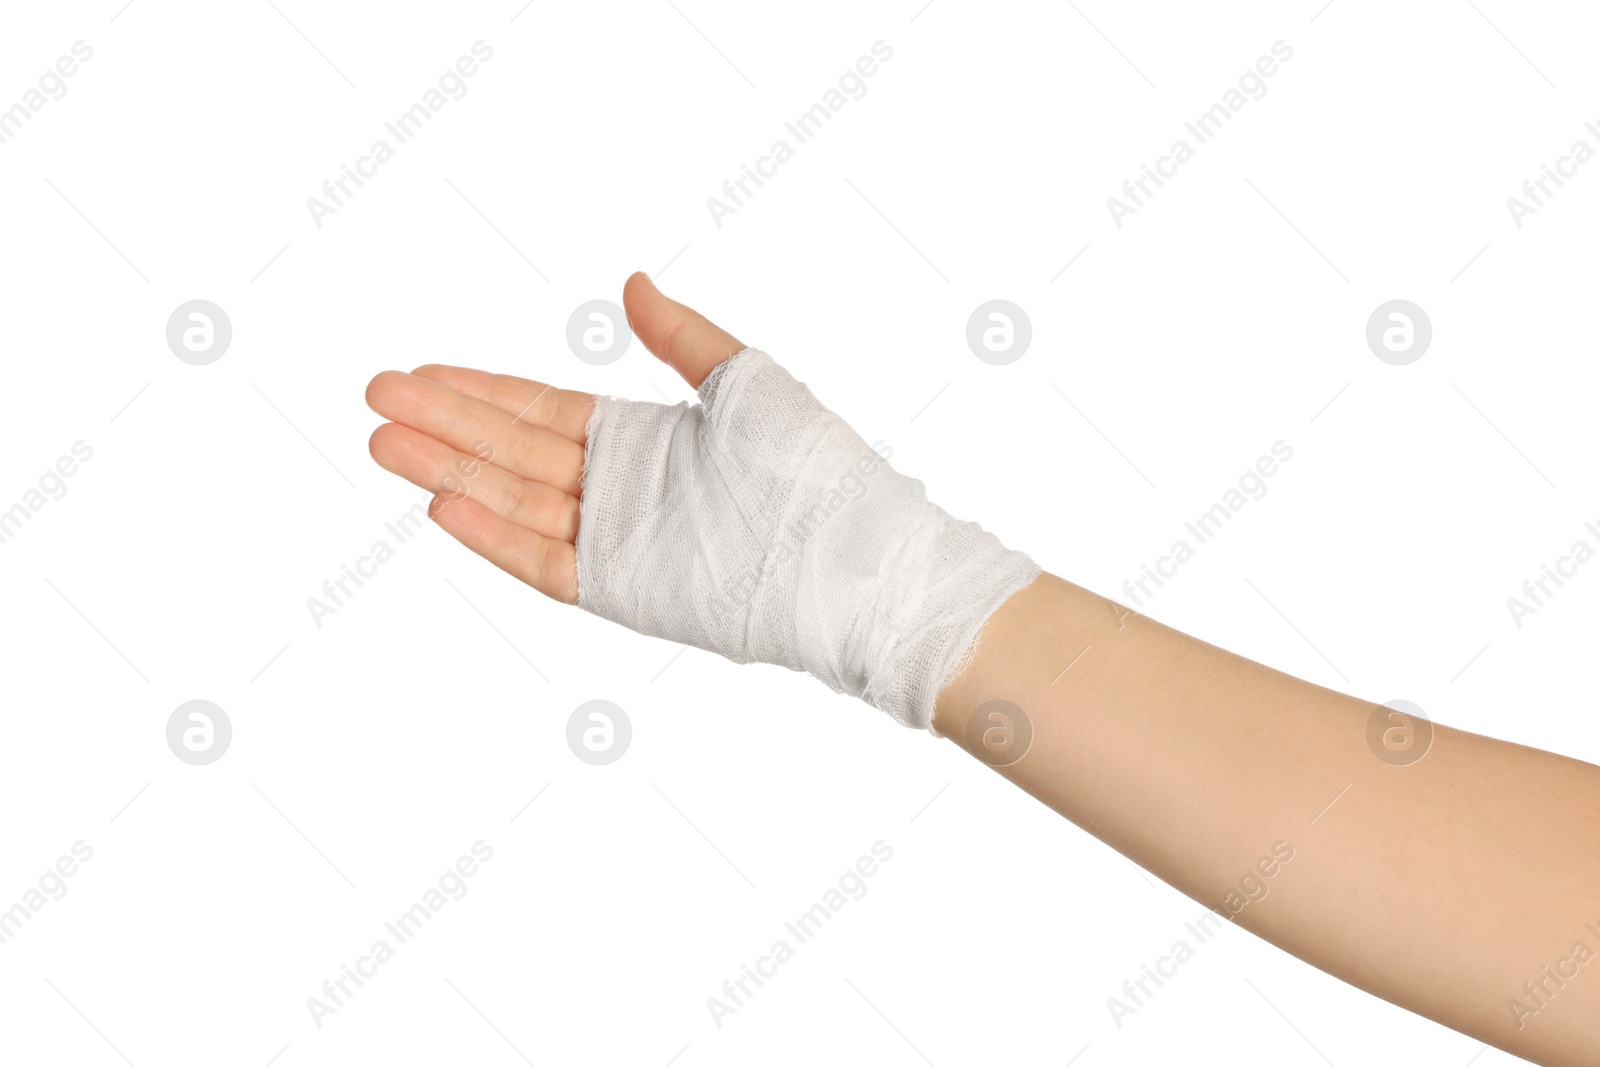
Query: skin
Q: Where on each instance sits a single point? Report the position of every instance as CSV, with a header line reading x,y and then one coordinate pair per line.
x,y
1454,878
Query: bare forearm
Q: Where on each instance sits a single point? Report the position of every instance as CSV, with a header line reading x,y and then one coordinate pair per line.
x,y
1457,885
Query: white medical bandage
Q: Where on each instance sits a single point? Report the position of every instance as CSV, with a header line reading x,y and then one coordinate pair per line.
x,y
756,524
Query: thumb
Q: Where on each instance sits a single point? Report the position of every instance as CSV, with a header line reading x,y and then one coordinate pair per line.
x,y
680,336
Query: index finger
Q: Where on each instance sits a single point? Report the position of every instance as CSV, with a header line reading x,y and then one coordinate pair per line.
x,y
564,411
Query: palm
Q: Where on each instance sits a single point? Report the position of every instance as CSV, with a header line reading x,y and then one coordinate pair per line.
x,y
503,455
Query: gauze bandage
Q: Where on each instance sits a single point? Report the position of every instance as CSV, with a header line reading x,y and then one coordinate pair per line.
x,y
759,526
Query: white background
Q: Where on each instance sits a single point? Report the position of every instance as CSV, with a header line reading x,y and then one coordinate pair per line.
x,y
369,753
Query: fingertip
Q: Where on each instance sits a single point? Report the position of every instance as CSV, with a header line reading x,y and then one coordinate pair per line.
x,y
382,385
373,441
635,291
675,333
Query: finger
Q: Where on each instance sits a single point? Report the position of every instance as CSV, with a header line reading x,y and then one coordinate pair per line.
x,y
566,411
681,337
473,426
454,476
549,565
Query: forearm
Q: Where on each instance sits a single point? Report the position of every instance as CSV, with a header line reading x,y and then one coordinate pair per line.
x,y
1442,885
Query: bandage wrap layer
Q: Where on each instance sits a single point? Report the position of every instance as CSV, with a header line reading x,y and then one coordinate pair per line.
x,y
758,525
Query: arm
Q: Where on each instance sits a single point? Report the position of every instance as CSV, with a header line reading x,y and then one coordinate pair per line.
x,y
1457,884
1442,885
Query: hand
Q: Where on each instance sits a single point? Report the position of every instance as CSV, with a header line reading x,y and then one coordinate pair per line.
x,y
754,523
504,455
